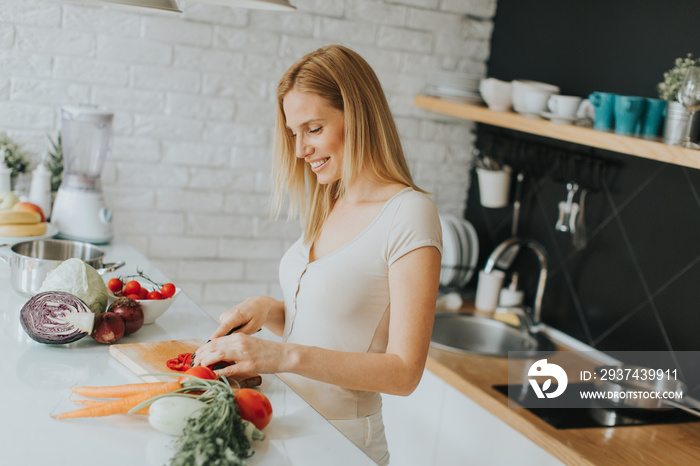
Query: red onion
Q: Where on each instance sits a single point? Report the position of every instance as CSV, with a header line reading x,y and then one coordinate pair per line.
x,y
47,317
130,310
109,328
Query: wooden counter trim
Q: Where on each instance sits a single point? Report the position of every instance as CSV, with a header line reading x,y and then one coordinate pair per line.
x,y
653,150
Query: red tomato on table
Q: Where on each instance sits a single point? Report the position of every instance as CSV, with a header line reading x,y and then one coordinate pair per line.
x,y
254,407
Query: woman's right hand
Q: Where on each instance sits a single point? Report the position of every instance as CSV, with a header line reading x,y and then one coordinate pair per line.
x,y
247,317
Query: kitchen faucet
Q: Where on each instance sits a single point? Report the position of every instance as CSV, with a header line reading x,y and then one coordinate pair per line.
x,y
503,256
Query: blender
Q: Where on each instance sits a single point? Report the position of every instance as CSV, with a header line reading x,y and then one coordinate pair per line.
x,y
79,210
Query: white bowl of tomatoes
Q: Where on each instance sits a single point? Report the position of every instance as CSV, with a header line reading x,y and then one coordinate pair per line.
x,y
154,298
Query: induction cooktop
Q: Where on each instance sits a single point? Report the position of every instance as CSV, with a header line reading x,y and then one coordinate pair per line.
x,y
594,414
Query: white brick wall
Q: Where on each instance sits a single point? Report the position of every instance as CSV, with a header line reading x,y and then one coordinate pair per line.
x,y
193,97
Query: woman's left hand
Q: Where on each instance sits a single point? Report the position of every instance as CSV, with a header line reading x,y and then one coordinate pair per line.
x,y
249,355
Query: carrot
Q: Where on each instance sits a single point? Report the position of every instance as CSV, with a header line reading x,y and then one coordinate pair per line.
x,y
89,402
121,405
100,403
117,391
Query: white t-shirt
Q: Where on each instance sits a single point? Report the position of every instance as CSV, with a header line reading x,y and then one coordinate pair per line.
x,y
341,301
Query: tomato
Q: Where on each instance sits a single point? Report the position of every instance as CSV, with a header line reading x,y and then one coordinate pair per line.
x,y
115,285
132,287
254,407
134,296
168,290
154,295
143,293
199,371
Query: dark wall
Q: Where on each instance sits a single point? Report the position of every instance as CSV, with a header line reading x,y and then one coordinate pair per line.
x,y
621,46
636,284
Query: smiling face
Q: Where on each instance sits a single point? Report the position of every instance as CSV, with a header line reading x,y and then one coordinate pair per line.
x,y
318,130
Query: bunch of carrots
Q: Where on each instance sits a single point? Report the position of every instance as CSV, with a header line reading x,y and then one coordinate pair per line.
x,y
127,397
194,382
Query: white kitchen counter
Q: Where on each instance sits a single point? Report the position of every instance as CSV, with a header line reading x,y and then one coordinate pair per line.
x,y
37,381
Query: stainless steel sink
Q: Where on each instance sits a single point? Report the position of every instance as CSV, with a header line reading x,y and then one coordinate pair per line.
x,y
461,333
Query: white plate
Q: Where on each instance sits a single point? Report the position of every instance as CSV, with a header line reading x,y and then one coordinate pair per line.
x,y
450,253
473,249
51,231
457,99
471,93
463,249
560,120
465,254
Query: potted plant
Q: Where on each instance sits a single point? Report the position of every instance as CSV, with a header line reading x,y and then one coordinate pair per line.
x,y
676,115
54,162
16,158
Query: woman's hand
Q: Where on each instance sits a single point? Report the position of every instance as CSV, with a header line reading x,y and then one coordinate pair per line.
x,y
247,317
250,355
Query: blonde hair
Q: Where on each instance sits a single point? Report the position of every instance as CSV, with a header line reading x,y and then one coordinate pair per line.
x,y
372,144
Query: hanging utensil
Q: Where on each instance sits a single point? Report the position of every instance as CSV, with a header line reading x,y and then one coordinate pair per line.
x,y
580,236
507,258
516,203
565,209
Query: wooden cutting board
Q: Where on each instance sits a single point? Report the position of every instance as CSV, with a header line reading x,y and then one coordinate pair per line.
x,y
150,357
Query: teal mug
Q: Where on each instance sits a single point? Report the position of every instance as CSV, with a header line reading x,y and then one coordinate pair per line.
x,y
603,107
649,126
628,112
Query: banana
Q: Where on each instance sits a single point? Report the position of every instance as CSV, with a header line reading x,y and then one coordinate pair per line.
x,y
14,217
7,200
35,229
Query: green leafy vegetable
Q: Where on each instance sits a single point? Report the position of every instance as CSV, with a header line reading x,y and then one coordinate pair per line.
x,y
79,279
215,436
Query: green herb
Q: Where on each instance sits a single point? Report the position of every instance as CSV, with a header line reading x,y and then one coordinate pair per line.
x,y
16,158
673,78
215,436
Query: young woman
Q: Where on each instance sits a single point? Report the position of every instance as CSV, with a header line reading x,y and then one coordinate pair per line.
x,y
360,284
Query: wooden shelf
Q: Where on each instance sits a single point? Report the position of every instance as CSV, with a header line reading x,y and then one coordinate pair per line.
x,y
647,149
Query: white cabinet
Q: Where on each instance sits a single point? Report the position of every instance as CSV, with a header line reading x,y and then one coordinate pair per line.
x,y
438,425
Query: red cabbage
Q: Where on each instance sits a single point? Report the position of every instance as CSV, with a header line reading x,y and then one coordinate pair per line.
x,y
47,317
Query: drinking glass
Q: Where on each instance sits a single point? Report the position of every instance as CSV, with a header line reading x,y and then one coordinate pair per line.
x,y
689,96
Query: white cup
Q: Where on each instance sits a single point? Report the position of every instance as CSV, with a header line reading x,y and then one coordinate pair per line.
x,y
488,290
563,106
496,93
494,187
